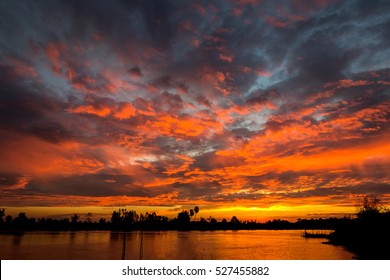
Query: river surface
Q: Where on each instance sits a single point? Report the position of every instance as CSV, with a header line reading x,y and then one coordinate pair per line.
x,y
169,245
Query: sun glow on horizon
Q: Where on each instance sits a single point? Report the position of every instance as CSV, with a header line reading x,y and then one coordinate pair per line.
x,y
260,214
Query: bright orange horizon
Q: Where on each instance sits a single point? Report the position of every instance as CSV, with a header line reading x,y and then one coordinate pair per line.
x,y
244,108
290,213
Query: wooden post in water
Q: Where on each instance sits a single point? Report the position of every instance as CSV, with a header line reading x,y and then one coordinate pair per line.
x,y
141,249
124,246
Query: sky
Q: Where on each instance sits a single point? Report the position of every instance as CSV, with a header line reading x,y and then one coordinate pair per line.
x,y
250,108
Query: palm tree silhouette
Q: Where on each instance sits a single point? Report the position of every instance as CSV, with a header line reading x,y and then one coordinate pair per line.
x,y
196,210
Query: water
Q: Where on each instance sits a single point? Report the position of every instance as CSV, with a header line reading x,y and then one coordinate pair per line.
x,y
169,245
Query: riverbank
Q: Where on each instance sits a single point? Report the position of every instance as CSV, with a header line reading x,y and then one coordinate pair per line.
x,y
369,239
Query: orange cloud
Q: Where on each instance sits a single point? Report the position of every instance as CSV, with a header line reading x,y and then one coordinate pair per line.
x,y
263,73
89,109
348,83
120,111
184,127
226,58
125,111
38,158
54,51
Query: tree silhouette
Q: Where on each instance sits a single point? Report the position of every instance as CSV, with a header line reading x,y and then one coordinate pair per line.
x,y
196,210
8,220
191,213
88,218
129,217
368,235
2,215
21,221
183,219
124,219
235,223
371,206
115,218
234,220
75,218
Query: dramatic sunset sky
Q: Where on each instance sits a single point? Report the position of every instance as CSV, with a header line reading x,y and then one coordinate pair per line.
x,y
250,108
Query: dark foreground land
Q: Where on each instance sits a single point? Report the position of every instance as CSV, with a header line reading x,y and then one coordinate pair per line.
x,y
367,237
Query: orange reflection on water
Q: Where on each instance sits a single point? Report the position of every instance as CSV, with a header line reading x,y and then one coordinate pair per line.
x,y
170,245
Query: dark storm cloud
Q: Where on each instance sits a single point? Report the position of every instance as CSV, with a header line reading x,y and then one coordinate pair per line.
x,y
136,71
50,131
30,109
198,190
378,188
210,161
9,181
248,44
100,184
169,102
26,109
264,97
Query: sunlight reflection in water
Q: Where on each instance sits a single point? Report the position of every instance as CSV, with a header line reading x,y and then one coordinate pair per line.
x,y
234,245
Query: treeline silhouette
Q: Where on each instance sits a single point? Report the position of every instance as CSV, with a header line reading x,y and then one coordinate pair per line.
x,y
127,220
